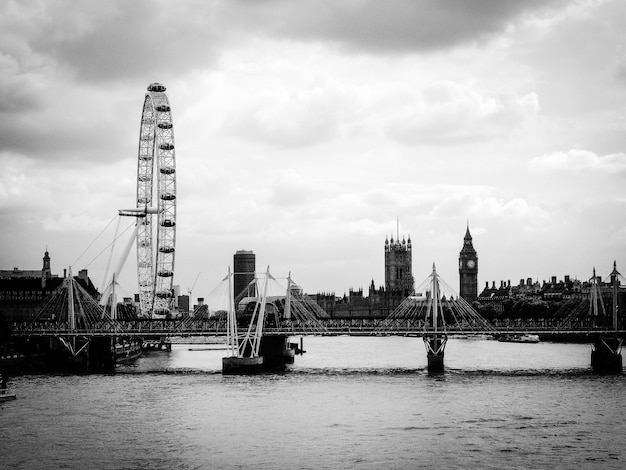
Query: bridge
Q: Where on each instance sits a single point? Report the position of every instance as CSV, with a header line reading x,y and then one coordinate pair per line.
x,y
91,331
434,312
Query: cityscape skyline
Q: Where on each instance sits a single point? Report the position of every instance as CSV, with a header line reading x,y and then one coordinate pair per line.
x,y
304,140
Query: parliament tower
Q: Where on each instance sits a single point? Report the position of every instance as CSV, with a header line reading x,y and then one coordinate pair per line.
x,y
468,269
398,266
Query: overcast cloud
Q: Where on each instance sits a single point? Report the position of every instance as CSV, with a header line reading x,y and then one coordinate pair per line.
x,y
304,129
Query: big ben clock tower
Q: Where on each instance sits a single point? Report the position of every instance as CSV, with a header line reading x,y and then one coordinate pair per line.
x,y
468,269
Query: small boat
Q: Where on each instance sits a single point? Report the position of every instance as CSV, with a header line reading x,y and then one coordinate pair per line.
x,y
6,396
519,339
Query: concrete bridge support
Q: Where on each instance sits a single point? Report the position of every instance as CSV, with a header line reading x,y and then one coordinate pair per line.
x,y
101,354
435,348
606,357
274,355
276,352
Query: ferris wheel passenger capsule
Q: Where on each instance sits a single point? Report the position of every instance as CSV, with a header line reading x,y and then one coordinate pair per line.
x,y
156,87
168,223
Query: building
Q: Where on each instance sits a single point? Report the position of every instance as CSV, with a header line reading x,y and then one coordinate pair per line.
x,y
23,291
183,305
398,266
244,265
556,297
468,269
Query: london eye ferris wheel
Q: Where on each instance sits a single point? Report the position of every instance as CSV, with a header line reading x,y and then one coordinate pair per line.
x,y
156,197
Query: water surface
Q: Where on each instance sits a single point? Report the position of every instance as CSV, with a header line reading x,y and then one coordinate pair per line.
x,y
347,403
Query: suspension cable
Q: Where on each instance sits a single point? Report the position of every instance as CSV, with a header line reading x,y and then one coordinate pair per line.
x,y
94,240
109,245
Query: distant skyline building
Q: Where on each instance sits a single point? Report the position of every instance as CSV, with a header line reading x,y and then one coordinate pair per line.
x,y
398,265
468,269
23,291
244,265
44,274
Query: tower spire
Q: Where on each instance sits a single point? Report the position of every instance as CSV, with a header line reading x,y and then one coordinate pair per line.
x,y
397,227
468,235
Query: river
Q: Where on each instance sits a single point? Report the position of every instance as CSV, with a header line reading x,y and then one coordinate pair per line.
x,y
349,402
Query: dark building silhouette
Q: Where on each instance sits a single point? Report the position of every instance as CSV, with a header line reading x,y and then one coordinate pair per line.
x,y
183,304
23,291
244,265
468,269
398,266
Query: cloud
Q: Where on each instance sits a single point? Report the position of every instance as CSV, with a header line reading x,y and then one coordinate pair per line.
x,y
53,195
18,89
576,160
382,27
107,41
296,120
290,114
447,113
69,131
484,203
103,42
290,189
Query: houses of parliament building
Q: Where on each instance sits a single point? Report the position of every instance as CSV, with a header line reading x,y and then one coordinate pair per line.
x,y
399,282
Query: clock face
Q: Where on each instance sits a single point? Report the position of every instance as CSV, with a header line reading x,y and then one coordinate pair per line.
x,y
471,264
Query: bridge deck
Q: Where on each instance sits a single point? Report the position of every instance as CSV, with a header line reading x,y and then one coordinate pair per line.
x,y
326,328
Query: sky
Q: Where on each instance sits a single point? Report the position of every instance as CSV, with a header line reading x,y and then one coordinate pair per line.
x,y
305,131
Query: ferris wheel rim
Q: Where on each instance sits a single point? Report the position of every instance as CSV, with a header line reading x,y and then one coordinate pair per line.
x,y
156,184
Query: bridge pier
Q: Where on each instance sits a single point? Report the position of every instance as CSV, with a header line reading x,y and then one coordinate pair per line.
x,y
606,357
101,354
242,365
276,352
274,355
435,348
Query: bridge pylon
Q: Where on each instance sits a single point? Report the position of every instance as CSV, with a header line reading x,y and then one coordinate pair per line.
x,y
606,356
244,348
435,309
435,336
